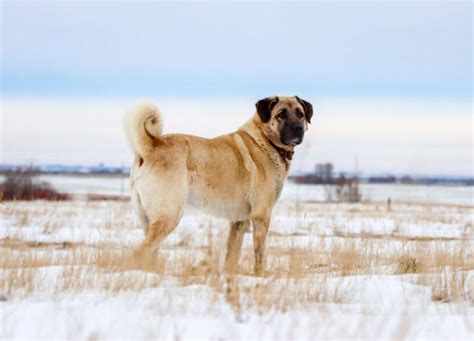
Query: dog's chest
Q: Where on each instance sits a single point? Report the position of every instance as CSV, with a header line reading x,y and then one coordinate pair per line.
x,y
278,187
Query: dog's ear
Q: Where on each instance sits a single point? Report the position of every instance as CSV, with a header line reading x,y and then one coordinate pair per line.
x,y
308,108
265,106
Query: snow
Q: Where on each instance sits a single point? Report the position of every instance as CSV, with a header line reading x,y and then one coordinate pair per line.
x,y
146,315
456,195
372,302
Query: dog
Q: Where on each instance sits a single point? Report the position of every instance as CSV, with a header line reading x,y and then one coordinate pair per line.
x,y
238,176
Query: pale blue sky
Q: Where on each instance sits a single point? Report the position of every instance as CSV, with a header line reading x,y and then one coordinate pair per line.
x,y
391,82
195,49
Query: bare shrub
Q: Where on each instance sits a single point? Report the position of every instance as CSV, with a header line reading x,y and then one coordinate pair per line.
x,y
22,184
343,190
347,189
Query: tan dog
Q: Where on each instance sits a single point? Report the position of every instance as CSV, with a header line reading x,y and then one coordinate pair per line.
x,y
238,176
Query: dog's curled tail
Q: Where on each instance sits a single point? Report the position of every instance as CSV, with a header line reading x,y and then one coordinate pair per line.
x,y
143,126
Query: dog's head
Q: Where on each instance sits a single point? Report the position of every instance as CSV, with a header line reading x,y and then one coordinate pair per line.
x,y
284,120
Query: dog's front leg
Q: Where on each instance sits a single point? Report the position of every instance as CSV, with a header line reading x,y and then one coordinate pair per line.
x,y
234,244
260,229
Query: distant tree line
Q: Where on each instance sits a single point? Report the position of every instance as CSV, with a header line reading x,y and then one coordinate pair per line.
x,y
324,174
58,169
412,180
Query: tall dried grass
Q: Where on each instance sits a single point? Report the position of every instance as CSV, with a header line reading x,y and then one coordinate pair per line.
x,y
298,274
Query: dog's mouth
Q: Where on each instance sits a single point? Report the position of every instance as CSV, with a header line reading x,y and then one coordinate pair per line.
x,y
294,141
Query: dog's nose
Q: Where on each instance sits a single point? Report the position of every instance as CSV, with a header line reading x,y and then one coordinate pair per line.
x,y
298,128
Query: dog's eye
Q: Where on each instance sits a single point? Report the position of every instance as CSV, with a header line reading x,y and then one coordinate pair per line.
x,y
282,115
299,114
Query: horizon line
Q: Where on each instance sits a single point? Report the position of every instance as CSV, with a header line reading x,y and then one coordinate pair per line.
x,y
296,172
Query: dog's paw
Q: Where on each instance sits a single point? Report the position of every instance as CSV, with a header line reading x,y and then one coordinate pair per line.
x,y
144,259
259,273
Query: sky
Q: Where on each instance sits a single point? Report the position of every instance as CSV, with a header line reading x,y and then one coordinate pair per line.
x,y
391,82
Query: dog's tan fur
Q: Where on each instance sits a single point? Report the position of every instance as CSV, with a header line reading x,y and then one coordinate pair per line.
x,y
238,176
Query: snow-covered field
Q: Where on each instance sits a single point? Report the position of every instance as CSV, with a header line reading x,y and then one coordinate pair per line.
x,y
459,195
333,270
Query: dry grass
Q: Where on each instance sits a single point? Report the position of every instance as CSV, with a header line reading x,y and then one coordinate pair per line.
x,y
299,274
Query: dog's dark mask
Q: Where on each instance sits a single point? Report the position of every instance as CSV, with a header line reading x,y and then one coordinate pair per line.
x,y
287,115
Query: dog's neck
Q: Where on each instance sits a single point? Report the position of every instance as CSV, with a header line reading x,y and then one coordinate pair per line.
x,y
287,155
254,130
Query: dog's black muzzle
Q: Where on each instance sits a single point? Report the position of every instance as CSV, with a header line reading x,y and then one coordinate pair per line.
x,y
292,134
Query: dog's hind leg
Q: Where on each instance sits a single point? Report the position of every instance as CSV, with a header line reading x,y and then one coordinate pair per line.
x,y
234,244
156,233
162,201
145,221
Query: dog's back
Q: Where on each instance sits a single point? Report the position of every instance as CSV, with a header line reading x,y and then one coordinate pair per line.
x,y
212,174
